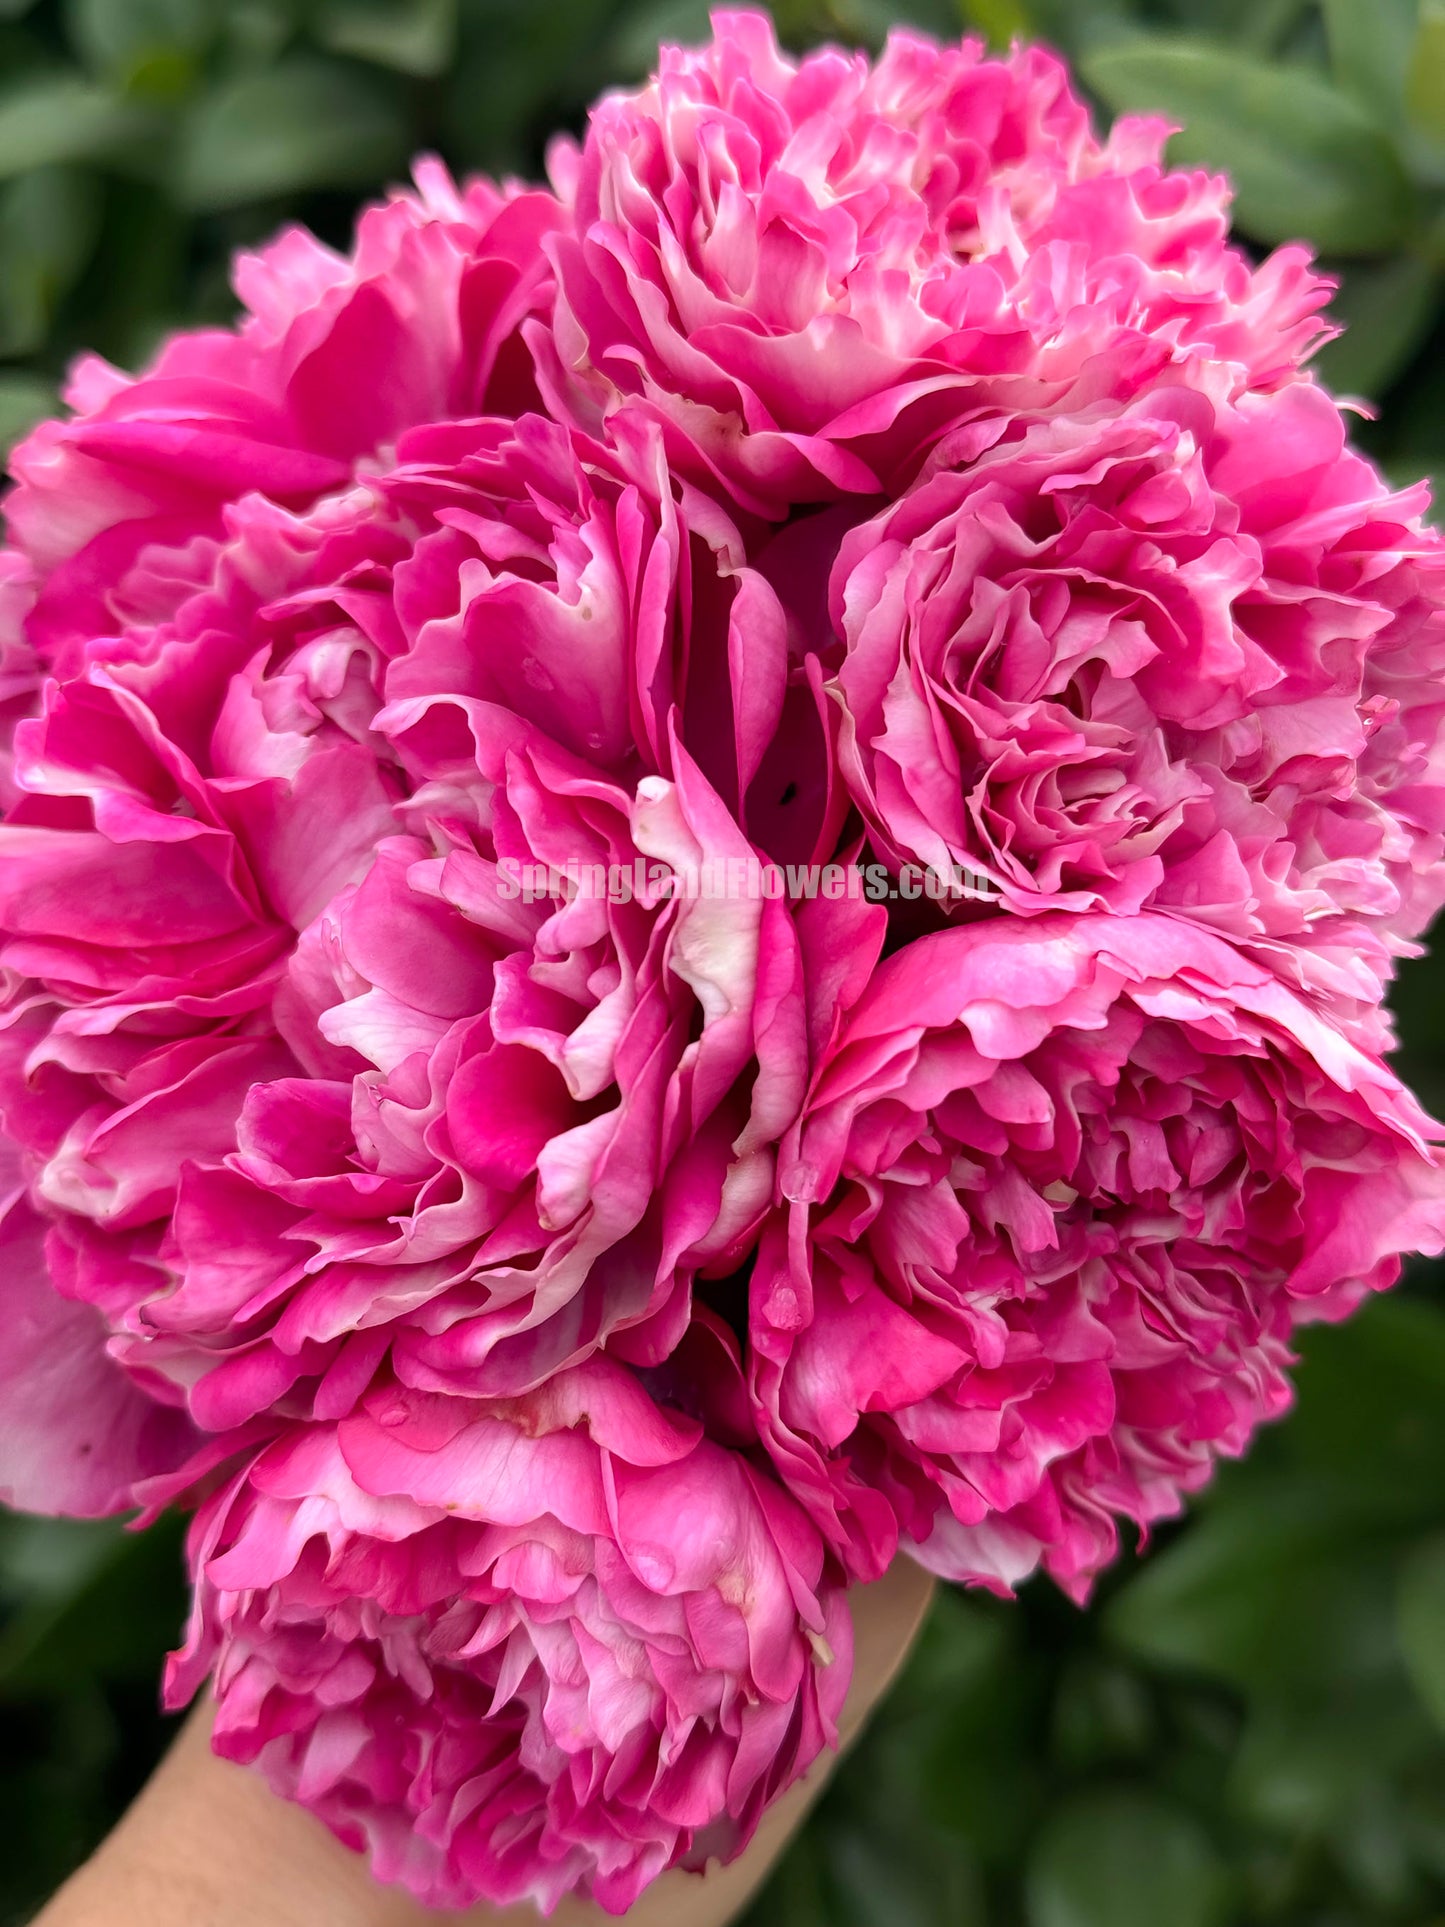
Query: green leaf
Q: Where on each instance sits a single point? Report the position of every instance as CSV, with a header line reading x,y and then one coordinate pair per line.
x,y
131,40
1268,24
1375,1853
411,36
63,118
1304,1768
305,123
1370,1423
1102,1714
46,1559
48,223
518,63
871,21
1420,1623
1387,310
114,1625
1425,77
899,1876
1076,29
1307,161
1370,43
1277,1589
256,30
634,50
977,1767
24,401
1000,21
1121,1858
963,1643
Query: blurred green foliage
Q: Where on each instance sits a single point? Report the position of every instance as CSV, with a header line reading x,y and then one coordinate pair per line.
x,y
1248,1727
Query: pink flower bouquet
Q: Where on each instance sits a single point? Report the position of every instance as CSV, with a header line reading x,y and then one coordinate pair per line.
x,y
696,882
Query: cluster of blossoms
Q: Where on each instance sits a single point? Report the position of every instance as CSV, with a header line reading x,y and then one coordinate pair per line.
x,y
548,1302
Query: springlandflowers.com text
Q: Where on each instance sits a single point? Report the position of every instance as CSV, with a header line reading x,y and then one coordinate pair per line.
x,y
735,878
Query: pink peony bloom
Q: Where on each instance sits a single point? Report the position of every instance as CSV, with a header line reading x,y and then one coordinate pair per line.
x,y
806,270
334,360
401,1067
1188,654
76,1436
520,1649
188,799
498,1131
580,585
1061,1190
21,675
513,1129
211,590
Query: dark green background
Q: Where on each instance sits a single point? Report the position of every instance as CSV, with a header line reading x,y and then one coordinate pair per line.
x,y
1249,1727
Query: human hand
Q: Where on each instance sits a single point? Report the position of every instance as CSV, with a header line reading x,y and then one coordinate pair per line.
x,y
208,1844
